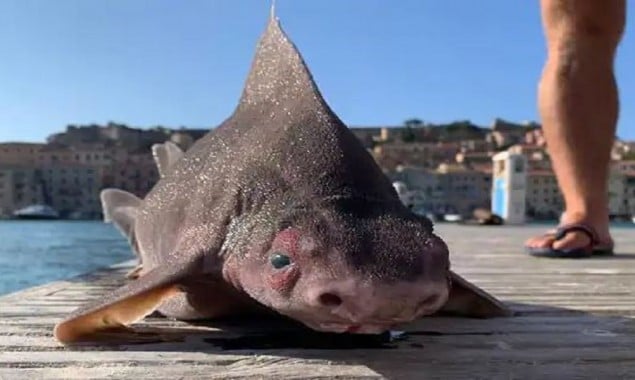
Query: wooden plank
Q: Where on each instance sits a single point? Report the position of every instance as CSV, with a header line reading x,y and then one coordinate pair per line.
x,y
576,319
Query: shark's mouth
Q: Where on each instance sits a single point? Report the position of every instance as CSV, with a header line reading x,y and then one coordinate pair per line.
x,y
369,326
366,328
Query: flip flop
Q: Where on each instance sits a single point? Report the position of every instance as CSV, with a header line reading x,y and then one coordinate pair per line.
x,y
593,248
603,250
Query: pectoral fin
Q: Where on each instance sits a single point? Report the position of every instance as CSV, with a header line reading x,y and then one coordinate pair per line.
x,y
122,307
468,300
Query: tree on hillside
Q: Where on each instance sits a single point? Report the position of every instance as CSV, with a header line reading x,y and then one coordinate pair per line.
x,y
407,134
413,123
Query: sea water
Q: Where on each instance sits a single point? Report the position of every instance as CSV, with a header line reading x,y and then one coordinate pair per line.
x,y
37,252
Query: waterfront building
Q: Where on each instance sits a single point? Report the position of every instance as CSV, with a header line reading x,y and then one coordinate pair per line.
x,y
509,187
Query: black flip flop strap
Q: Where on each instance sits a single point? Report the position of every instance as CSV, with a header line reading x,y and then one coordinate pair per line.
x,y
562,231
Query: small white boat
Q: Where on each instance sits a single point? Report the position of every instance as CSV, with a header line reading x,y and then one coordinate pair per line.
x,y
452,218
36,212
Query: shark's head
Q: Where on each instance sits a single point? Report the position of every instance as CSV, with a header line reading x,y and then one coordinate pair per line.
x,y
345,265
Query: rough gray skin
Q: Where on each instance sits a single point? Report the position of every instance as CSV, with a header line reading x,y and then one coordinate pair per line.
x,y
283,177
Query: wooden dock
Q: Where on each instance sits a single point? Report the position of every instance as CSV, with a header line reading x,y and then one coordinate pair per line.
x,y
575,320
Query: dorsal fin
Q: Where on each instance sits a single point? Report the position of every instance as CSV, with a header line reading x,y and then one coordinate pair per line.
x,y
282,102
278,71
120,208
165,155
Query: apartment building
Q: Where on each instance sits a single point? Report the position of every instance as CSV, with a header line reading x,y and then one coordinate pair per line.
x,y
20,186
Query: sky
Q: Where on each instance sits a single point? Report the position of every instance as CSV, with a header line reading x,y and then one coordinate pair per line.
x,y
183,63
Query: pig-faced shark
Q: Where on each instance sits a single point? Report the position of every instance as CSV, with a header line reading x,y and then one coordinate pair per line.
x,y
279,209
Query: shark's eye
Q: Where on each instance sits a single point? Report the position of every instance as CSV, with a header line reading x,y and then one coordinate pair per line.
x,y
279,261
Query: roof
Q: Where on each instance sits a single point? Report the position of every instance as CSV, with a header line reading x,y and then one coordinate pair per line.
x,y
483,168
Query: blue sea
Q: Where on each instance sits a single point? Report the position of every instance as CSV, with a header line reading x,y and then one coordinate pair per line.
x,y
37,252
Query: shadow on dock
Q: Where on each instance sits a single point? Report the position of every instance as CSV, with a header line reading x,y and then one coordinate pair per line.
x,y
536,332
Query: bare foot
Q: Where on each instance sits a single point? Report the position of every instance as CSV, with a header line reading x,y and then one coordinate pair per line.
x,y
573,239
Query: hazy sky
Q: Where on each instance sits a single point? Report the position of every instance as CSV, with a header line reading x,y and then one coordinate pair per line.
x,y
180,63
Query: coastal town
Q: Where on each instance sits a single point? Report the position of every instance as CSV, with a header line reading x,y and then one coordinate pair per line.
x,y
438,169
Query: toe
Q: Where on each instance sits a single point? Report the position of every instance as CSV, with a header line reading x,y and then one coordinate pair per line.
x,y
540,241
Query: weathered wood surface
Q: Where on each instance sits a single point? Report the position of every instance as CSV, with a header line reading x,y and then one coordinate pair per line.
x,y
575,320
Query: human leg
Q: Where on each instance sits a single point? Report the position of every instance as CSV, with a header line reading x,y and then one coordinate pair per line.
x,y
578,105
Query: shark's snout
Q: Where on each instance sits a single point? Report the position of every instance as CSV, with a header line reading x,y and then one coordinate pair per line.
x,y
404,281
427,262
353,302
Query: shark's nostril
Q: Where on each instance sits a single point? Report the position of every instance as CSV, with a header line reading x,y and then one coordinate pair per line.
x,y
330,299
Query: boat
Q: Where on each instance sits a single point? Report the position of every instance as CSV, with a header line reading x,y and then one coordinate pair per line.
x,y
453,218
36,212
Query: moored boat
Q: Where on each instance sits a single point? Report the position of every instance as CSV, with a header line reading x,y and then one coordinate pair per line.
x,y
453,218
35,212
